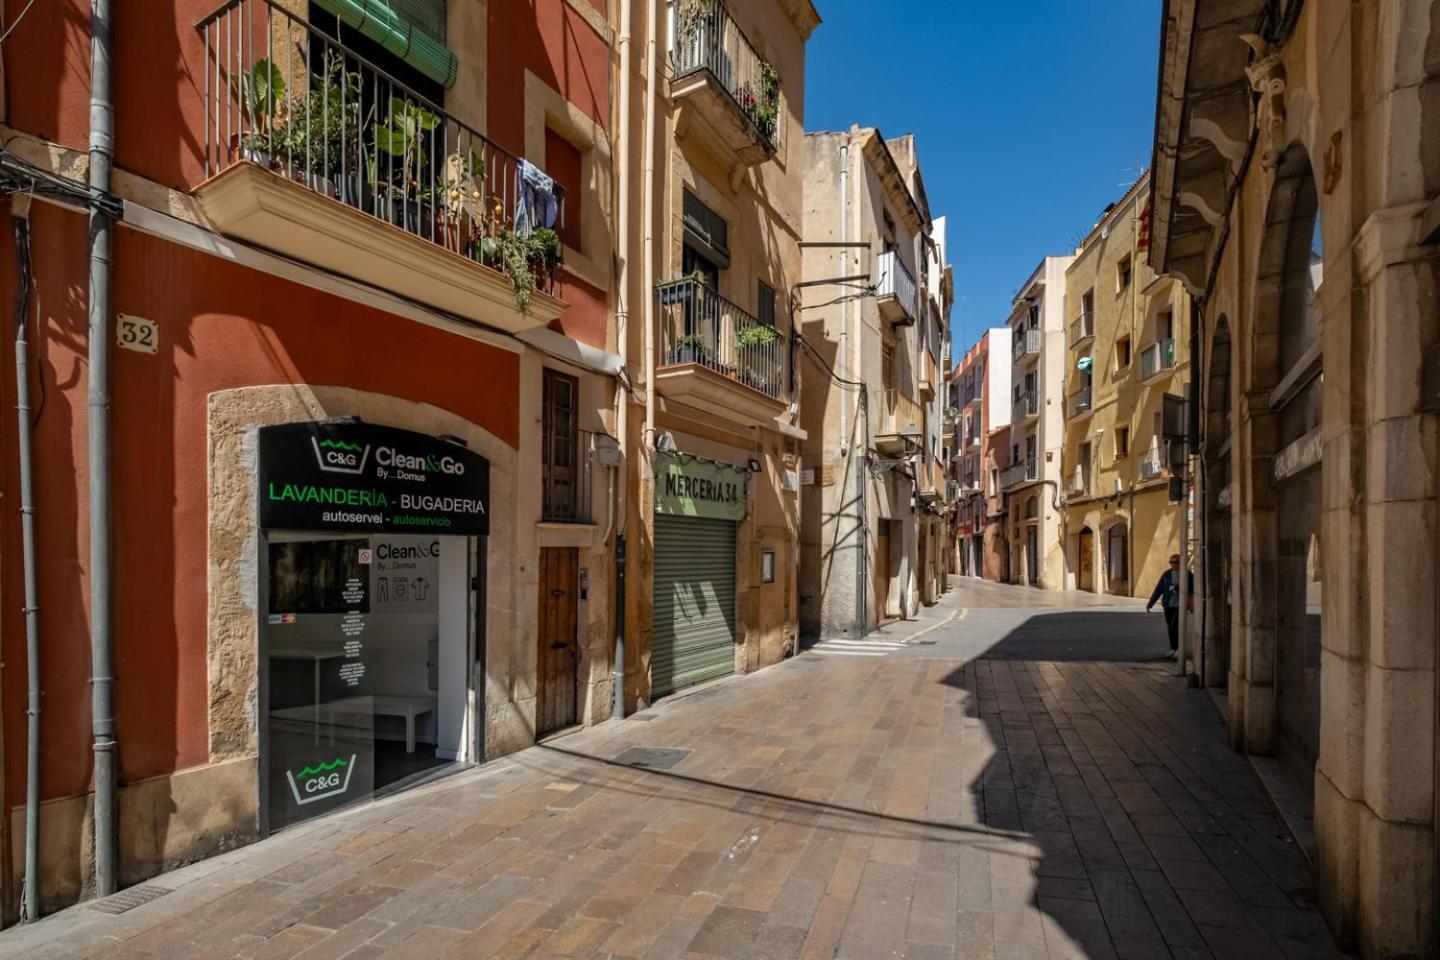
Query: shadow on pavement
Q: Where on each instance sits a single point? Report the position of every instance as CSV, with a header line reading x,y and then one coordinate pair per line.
x,y
1110,636
1150,837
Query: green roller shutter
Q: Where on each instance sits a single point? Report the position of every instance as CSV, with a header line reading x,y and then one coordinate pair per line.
x,y
405,28
693,635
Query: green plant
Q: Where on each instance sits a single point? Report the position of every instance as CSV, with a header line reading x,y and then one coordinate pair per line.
x,y
756,335
402,136
765,105
323,127
695,344
260,92
689,15
544,248
511,254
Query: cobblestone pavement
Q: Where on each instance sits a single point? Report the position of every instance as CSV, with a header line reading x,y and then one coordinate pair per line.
x,y
915,805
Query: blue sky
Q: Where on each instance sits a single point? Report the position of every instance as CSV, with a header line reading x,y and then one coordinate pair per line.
x,y
1030,117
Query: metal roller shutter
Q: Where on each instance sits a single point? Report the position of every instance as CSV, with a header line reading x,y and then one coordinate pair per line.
x,y
693,630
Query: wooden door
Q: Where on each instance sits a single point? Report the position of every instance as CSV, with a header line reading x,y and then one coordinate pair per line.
x,y
881,572
556,667
1087,560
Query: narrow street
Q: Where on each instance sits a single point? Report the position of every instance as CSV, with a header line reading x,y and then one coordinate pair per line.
x,y
1017,775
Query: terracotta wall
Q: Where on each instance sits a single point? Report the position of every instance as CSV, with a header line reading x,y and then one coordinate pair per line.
x,y
221,326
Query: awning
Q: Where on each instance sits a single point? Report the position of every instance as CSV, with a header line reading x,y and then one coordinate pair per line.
x,y
398,27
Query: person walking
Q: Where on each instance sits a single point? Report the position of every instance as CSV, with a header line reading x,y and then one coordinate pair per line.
x,y
1167,593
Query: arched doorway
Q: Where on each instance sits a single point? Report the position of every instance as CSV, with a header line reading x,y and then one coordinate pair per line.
x,y
1218,494
1284,464
1085,560
1117,560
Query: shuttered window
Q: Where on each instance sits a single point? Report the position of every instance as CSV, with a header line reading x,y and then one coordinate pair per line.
x,y
706,229
693,630
413,31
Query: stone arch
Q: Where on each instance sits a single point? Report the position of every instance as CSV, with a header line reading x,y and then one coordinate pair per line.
x,y
1218,573
233,419
1280,514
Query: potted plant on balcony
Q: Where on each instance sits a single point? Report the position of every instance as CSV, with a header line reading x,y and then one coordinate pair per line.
x,y
260,93
323,132
458,199
766,109
691,348
756,363
402,137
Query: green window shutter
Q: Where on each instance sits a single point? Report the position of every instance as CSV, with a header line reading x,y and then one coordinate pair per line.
x,y
405,28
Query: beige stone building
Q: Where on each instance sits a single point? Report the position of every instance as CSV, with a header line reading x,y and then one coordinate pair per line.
x,y
872,404
715,154
1031,482
1295,193
1127,352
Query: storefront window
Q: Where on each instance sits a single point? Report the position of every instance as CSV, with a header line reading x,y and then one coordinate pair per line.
x,y
354,646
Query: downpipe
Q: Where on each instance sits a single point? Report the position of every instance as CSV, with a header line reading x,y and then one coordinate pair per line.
x,y
102,117
622,347
30,894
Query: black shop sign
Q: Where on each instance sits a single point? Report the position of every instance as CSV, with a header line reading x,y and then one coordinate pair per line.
x,y
365,478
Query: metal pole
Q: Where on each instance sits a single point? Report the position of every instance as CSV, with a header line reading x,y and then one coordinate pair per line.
x,y
102,708
1184,564
29,907
622,347
618,711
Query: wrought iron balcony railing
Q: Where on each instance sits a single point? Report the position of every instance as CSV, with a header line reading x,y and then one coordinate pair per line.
x,y
1082,329
1018,473
1079,484
1157,358
1027,344
1080,401
1027,404
707,38
1153,464
894,282
699,326
284,95
901,413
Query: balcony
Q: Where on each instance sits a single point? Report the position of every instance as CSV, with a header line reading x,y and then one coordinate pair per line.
x,y
716,356
317,154
1028,344
1157,359
727,93
1027,405
926,381
900,427
1082,330
566,488
1079,485
1153,465
1079,402
894,289
1019,474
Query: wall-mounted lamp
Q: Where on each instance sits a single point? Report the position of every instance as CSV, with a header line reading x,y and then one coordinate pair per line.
x,y
754,465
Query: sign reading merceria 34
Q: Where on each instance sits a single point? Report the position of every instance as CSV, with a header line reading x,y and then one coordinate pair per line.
x,y
363,477
699,488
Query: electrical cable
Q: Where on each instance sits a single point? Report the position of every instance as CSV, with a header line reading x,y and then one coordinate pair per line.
x,y
16,22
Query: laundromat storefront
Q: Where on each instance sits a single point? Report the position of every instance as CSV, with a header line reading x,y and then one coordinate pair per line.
x,y
698,504
371,537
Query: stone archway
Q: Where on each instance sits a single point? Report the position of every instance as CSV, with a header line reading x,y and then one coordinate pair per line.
x,y
1219,492
1279,622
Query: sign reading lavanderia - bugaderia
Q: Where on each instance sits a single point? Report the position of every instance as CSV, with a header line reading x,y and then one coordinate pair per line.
x,y
364,477
688,487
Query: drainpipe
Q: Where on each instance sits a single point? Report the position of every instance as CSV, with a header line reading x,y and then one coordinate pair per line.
x,y
101,681
622,346
647,253
29,906
844,271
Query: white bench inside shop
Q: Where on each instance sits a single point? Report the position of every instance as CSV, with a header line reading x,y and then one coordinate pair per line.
x,y
408,708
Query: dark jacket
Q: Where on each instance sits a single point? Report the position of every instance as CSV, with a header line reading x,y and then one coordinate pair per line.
x,y
1169,588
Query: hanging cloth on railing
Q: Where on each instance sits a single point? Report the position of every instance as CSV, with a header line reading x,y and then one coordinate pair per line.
x,y
537,206
1084,364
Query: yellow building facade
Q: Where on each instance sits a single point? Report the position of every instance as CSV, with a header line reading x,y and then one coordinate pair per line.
x,y
1127,348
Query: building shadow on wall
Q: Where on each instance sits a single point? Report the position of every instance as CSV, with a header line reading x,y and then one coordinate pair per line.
x,y
1147,835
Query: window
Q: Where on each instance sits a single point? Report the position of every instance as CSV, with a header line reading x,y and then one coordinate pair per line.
x,y
765,303
559,448
887,364
1123,271
428,15
695,263
706,230
1122,442
564,161
1165,326
1122,353
1032,318
1116,554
